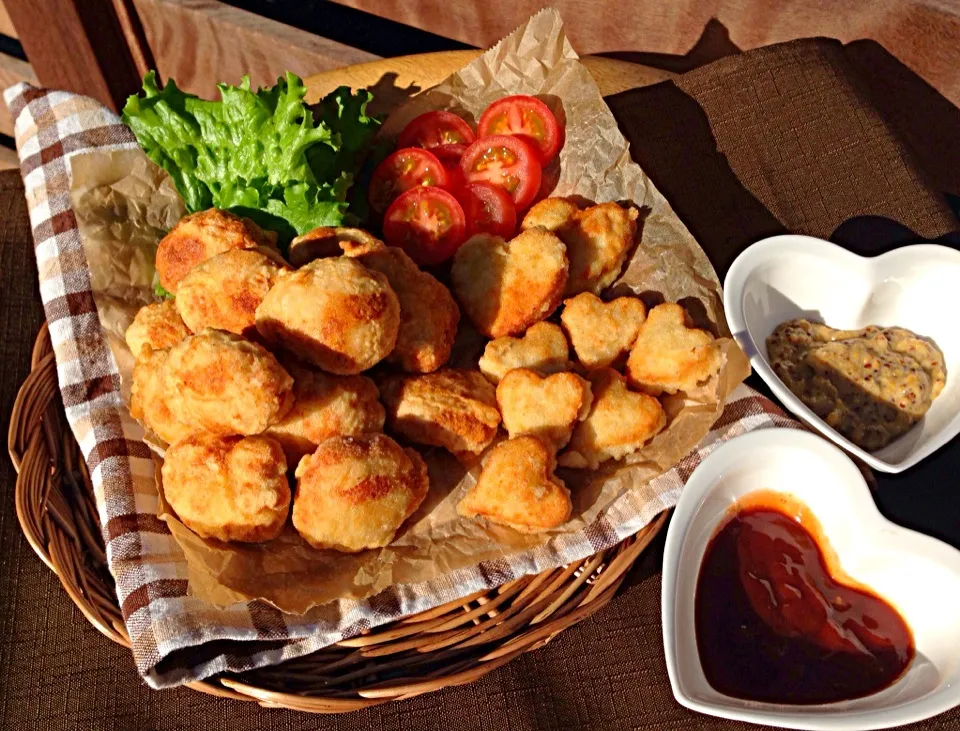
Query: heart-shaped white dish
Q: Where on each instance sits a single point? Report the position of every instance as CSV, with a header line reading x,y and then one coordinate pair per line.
x,y
918,575
916,287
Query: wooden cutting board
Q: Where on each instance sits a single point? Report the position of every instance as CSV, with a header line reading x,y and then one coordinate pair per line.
x,y
394,79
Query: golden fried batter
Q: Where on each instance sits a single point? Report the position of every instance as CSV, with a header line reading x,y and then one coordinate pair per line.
x,y
428,314
601,332
619,423
229,488
517,488
326,406
331,241
598,239
506,287
334,313
227,385
542,349
151,403
453,409
203,235
224,291
669,355
353,493
544,407
157,325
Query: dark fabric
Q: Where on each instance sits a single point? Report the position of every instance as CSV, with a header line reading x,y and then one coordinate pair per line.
x,y
58,673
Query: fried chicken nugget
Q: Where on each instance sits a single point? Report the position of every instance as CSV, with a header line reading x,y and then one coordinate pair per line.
x,y
327,241
334,313
354,493
157,325
428,314
619,423
203,235
599,331
150,403
543,349
517,488
598,239
228,488
505,288
453,409
226,385
326,406
546,407
224,291
669,355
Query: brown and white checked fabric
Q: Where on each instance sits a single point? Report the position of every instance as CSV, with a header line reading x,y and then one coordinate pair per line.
x,y
177,638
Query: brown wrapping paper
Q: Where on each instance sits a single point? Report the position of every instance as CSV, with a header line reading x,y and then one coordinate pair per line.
x,y
124,203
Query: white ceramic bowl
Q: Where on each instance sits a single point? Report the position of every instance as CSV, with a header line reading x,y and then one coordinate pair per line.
x,y
918,575
916,287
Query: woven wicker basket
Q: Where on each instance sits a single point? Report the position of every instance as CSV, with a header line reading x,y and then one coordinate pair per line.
x,y
449,645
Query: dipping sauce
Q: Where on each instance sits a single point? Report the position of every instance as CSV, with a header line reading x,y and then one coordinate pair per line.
x,y
871,385
774,624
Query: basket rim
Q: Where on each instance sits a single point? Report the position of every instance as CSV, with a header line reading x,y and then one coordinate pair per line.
x,y
64,539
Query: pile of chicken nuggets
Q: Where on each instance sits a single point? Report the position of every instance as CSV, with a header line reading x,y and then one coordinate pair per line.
x,y
325,368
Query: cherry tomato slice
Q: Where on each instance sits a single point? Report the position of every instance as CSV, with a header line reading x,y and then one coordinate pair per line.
x,y
488,209
449,156
526,117
427,223
434,129
408,168
507,162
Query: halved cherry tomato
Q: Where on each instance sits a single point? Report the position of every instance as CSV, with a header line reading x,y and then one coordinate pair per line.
x,y
449,156
488,209
434,129
525,117
408,168
507,162
427,223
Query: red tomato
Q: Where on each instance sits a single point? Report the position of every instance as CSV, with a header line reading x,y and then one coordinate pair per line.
x,y
449,156
526,117
401,171
505,161
434,129
488,209
427,223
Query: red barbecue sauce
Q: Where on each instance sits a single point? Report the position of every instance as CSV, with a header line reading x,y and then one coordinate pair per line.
x,y
775,624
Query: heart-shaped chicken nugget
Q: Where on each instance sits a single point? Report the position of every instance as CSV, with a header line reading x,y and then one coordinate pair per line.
x,y
619,423
517,488
669,355
543,407
543,349
506,287
601,331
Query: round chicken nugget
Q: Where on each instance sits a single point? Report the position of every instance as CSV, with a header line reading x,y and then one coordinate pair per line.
x,y
453,409
599,331
551,213
157,325
203,235
334,313
327,241
619,423
669,355
517,488
546,407
543,349
428,313
151,404
354,493
228,488
227,385
224,291
505,288
326,406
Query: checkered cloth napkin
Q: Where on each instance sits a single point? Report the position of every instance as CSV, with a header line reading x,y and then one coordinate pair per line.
x,y
177,638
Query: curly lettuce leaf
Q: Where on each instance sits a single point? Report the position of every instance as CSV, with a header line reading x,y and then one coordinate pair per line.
x,y
263,154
